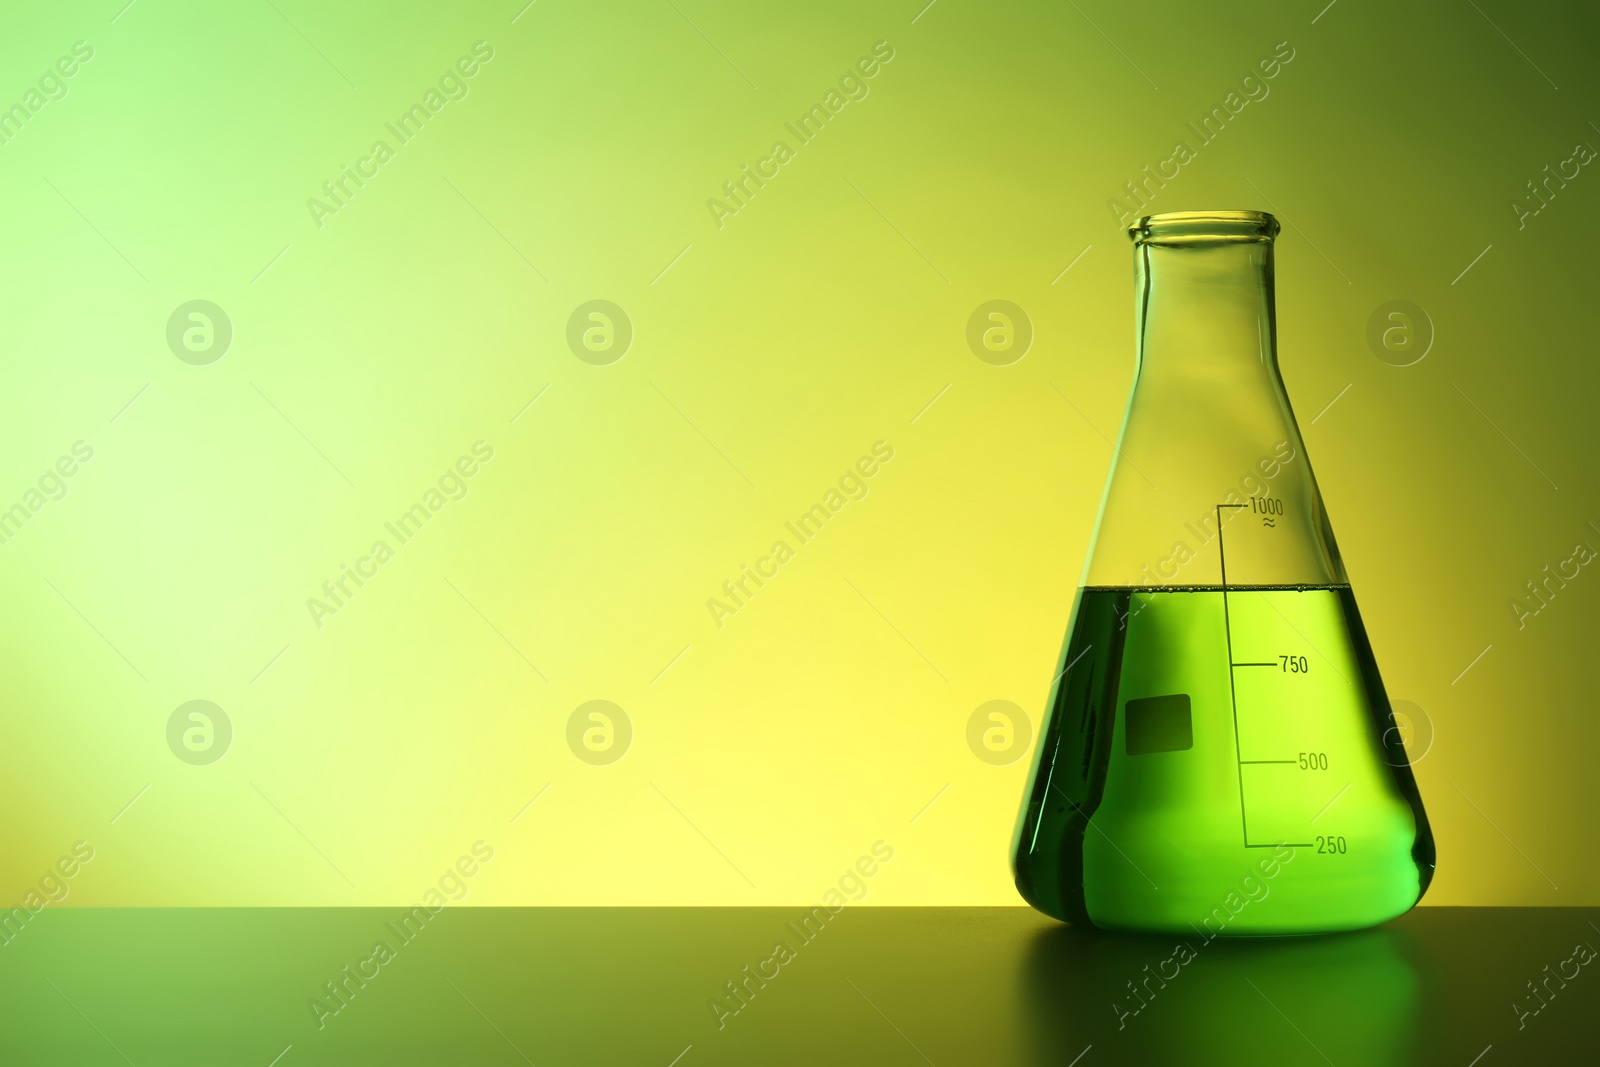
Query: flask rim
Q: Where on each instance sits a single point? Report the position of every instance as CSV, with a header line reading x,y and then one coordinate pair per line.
x,y
1204,227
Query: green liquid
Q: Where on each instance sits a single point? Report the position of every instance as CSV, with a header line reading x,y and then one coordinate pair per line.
x,y
1221,763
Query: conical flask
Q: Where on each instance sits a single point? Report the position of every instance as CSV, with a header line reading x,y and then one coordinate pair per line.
x,y
1218,755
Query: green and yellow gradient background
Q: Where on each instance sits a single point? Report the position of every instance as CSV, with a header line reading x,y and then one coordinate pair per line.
x,y
822,318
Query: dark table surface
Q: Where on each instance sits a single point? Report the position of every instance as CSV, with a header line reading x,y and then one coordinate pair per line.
x,y
873,985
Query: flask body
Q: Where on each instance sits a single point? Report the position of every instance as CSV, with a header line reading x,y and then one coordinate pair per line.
x,y
1218,754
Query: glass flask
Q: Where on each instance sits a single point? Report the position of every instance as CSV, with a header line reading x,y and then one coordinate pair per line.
x,y
1218,756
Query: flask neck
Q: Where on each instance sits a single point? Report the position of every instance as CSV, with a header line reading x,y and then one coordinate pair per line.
x,y
1209,436
1206,309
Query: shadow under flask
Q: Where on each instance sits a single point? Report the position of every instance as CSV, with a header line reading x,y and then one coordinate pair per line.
x,y
1218,755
